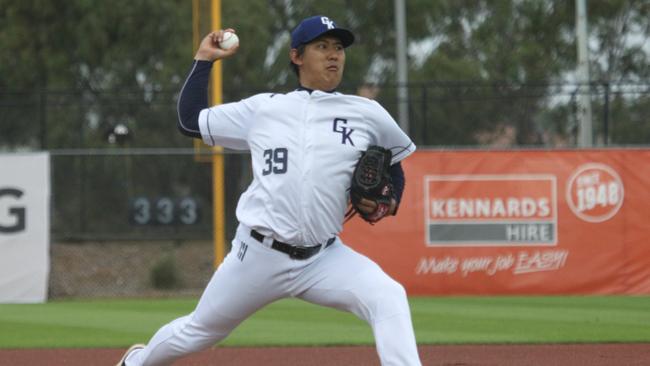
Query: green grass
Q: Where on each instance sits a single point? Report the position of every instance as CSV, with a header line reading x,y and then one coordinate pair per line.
x,y
437,320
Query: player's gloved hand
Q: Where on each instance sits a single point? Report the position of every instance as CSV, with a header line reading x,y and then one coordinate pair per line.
x,y
209,49
371,191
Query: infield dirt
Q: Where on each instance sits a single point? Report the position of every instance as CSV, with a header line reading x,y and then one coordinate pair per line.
x,y
438,355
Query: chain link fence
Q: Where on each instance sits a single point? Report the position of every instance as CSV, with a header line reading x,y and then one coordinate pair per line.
x,y
137,222
441,113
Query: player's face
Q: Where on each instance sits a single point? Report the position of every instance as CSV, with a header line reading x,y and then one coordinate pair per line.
x,y
322,63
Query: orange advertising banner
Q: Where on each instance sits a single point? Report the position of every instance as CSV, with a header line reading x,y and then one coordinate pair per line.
x,y
517,222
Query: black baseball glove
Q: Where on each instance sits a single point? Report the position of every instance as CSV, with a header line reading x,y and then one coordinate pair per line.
x,y
371,180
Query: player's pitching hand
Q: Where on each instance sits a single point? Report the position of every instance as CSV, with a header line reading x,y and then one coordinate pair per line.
x,y
209,49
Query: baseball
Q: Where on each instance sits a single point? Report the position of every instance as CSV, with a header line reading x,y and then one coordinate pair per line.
x,y
229,41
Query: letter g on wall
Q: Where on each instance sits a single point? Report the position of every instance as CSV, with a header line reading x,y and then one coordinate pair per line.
x,y
17,213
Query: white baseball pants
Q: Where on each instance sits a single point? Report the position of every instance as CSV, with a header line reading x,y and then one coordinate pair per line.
x,y
254,275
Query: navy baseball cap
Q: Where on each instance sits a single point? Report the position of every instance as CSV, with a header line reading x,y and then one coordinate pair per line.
x,y
313,27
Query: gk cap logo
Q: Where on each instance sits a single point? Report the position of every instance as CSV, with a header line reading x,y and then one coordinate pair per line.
x,y
329,23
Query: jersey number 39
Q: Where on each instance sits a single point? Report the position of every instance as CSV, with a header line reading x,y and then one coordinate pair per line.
x,y
275,161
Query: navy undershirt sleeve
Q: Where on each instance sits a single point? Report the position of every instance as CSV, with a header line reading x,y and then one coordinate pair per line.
x,y
397,178
193,98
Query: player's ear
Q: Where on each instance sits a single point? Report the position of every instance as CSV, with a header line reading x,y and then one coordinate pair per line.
x,y
295,57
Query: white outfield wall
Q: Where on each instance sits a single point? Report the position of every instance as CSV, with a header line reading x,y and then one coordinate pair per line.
x,y
24,227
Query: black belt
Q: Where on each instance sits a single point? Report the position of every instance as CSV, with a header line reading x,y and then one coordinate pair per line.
x,y
293,251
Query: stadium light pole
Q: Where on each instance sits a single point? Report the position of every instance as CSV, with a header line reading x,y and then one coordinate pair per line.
x,y
402,66
216,157
218,197
585,138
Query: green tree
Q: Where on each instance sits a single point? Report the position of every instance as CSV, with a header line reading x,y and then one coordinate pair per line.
x,y
475,65
115,56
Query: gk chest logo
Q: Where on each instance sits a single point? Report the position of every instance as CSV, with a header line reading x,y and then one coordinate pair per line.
x,y
346,133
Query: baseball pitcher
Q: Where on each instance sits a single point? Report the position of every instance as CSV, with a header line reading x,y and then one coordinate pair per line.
x,y
316,154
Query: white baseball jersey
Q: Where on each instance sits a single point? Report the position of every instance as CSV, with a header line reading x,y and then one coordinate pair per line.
x,y
304,147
